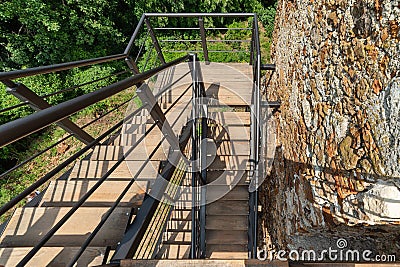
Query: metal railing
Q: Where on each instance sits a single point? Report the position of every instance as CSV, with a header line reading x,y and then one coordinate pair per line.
x,y
142,65
255,141
199,159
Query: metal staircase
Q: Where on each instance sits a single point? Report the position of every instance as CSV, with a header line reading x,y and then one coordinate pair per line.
x,y
176,178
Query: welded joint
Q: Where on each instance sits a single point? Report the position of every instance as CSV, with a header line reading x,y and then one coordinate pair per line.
x,y
268,67
132,65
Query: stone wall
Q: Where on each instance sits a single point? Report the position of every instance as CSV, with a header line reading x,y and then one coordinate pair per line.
x,y
337,165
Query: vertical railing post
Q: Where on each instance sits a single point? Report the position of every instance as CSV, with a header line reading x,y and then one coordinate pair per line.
x,y
203,40
199,116
255,141
194,245
203,114
132,65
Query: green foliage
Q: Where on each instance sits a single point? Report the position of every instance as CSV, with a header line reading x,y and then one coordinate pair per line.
x,y
41,32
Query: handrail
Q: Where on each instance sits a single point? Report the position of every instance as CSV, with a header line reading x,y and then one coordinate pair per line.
x,y
15,130
195,15
79,203
255,140
10,75
135,33
199,156
136,230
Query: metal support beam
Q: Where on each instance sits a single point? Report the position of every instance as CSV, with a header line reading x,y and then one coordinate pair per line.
x,y
135,232
156,113
132,65
155,41
24,94
203,40
17,129
268,67
271,104
10,75
199,147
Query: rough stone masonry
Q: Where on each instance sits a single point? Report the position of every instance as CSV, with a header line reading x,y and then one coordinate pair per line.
x,y
336,172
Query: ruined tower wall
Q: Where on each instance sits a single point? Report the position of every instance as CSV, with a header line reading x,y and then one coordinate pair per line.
x,y
337,166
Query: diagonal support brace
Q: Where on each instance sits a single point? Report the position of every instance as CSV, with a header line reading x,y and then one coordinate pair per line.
x,y
24,94
155,41
151,104
203,40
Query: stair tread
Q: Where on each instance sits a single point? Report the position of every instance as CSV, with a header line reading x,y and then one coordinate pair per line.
x,y
235,237
221,222
231,162
179,230
62,193
177,237
114,153
221,132
173,251
173,242
229,147
226,192
52,256
227,251
179,225
228,207
93,169
230,118
228,177
28,225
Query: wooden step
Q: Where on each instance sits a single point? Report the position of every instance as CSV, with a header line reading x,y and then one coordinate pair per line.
x,y
139,119
227,177
227,251
61,193
232,86
220,132
130,133
223,148
222,222
230,118
180,113
114,153
28,225
187,219
181,214
179,225
226,261
173,251
133,129
231,163
177,237
179,230
172,242
94,169
224,192
228,207
221,237
52,256
229,100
